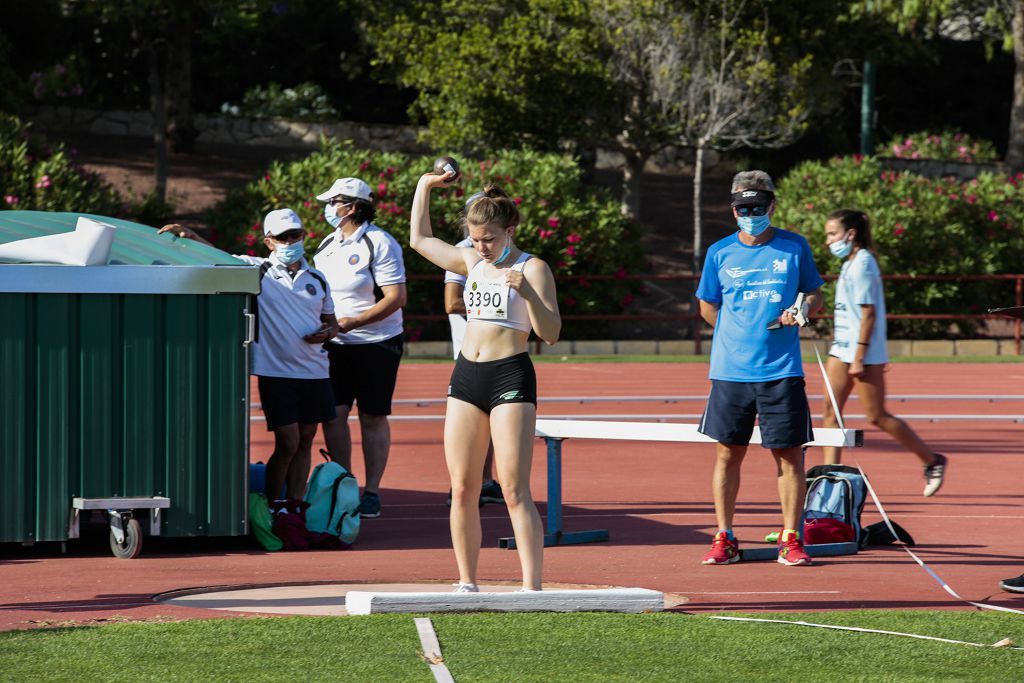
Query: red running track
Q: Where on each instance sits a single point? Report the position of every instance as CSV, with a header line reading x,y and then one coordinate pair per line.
x,y
654,498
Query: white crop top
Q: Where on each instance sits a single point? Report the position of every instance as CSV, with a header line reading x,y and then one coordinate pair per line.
x,y
491,300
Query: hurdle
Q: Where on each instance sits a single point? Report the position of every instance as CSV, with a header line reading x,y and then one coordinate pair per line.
x,y
554,432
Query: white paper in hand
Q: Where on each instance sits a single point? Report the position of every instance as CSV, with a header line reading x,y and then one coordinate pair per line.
x,y
799,309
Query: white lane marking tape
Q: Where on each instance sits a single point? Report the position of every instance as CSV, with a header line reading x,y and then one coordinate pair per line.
x,y
945,586
432,650
867,630
828,387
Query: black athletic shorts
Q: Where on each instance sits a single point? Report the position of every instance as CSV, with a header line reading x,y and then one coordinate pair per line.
x,y
288,401
365,374
780,407
494,382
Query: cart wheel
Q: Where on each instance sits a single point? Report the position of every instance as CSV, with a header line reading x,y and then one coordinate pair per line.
x,y
132,545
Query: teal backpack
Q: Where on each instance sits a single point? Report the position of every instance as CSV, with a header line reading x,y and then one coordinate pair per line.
x,y
333,497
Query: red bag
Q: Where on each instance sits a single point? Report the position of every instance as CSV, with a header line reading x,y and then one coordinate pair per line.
x,y
290,524
827,530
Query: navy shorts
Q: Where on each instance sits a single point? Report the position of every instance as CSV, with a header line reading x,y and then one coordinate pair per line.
x,y
365,374
491,383
288,401
780,407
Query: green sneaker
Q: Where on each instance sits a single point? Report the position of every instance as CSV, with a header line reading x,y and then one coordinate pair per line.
x,y
773,537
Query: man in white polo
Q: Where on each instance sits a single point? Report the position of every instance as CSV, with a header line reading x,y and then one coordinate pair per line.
x,y
296,317
364,265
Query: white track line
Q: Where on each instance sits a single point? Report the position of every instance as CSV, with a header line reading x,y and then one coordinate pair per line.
x,y
945,586
862,630
662,417
754,592
423,402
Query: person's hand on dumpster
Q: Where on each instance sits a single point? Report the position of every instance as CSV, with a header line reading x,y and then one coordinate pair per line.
x,y
182,232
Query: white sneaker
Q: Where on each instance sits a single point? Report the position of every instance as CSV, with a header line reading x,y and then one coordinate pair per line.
x,y
465,588
934,474
526,590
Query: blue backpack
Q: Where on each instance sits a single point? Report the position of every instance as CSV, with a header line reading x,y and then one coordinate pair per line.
x,y
333,497
836,492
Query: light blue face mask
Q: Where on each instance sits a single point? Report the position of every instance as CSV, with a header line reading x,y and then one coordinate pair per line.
x,y
753,225
841,249
504,252
331,214
289,253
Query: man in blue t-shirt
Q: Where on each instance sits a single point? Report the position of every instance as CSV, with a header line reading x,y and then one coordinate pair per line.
x,y
747,292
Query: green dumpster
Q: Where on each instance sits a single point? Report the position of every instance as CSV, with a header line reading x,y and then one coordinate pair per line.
x,y
124,387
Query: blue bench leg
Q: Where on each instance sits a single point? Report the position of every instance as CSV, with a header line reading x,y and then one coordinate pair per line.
x,y
555,535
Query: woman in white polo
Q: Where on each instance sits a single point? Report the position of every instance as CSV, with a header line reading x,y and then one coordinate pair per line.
x,y
296,317
364,266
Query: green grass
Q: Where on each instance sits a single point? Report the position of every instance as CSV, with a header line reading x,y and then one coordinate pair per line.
x,y
523,647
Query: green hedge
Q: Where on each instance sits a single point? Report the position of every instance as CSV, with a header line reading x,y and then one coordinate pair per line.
x,y
921,226
577,229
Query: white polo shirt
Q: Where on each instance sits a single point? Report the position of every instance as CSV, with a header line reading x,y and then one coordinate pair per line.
x,y
457,321
290,308
346,263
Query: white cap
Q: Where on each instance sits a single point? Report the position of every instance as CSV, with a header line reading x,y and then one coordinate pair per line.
x,y
281,220
348,187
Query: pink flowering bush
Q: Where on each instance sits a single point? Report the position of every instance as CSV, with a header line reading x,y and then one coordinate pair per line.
x,y
949,145
38,177
578,230
920,226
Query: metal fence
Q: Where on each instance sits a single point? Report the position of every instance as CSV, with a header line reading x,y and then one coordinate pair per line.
x,y
695,320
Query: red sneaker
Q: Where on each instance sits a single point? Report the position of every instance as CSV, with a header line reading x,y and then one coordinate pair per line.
x,y
723,550
791,551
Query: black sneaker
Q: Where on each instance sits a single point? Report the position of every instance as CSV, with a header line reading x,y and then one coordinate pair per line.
x,y
934,474
491,493
369,505
1014,585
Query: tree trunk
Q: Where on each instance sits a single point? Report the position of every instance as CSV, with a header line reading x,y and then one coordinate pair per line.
x,y
181,129
1015,148
698,196
631,183
157,59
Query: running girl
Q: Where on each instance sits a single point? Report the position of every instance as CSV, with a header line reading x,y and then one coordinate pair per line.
x,y
859,356
493,391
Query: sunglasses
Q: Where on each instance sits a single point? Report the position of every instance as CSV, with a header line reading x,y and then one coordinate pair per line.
x,y
337,201
754,210
289,236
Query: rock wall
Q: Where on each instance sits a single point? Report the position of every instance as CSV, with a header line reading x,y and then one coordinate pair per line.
x,y
232,130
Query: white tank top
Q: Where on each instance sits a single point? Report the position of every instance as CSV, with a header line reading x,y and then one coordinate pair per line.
x,y
491,300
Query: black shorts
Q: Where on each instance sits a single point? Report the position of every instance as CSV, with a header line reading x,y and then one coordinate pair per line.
x,y
287,401
780,407
365,374
494,382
